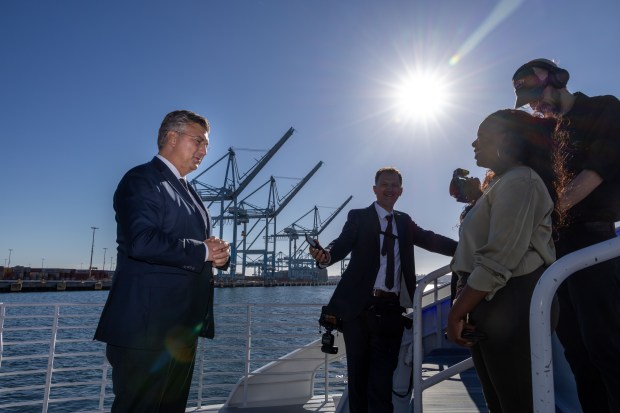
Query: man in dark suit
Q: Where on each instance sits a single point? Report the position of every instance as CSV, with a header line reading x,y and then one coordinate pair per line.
x,y
161,298
367,300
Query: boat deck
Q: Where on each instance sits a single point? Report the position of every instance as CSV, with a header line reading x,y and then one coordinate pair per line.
x,y
316,404
461,394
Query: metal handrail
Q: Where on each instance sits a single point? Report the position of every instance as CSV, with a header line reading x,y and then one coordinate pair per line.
x,y
540,316
47,345
419,384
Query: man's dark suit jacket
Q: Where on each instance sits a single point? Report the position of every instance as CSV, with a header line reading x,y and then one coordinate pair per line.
x,y
360,237
162,291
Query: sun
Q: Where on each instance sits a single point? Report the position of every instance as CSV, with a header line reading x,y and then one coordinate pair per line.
x,y
420,97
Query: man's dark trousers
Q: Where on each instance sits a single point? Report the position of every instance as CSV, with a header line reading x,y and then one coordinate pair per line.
x,y
373,345
164,389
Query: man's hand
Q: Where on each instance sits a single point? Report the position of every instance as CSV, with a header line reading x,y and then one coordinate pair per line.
x,y
219,251
320,255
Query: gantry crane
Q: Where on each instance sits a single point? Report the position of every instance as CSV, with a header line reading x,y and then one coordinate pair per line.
x,y
255,234
300,264
234,184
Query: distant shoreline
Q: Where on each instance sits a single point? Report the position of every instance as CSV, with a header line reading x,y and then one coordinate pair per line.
x,y
14,286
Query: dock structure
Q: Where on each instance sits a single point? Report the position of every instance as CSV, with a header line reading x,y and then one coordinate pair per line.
x,y
255,234
256,241
20,285
16,286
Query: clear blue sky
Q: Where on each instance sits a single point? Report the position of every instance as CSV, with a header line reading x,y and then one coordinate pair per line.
x,y
84,86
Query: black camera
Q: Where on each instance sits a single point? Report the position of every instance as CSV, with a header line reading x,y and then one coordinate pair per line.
x,y
330,322
460,172
463,188
327,343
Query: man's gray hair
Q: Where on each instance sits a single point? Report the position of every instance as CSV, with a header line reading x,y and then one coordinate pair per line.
x,y
176,121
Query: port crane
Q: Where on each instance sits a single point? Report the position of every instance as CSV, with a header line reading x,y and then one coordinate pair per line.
x,y
255,238
253,243
234,182
227,195
299,263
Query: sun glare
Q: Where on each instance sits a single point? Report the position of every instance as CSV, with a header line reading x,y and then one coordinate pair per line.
x,y
421,97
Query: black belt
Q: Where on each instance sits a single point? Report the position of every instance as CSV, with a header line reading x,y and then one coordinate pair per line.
x,y
383,294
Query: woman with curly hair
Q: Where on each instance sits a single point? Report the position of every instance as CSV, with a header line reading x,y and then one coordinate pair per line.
x,y
505,244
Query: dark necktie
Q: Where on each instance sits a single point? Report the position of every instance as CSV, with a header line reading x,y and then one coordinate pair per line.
x,y
197,201
184,183
388,249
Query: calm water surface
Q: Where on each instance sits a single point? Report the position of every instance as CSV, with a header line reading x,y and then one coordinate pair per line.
x,y
267,328
247,295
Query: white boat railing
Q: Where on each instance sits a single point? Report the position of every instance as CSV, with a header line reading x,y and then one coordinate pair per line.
x,y
420,384
540,329
540,310
48,357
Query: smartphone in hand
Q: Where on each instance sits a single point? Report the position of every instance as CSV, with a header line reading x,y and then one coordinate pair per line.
x,y
313,243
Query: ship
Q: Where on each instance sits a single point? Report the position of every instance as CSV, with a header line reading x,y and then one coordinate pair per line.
x,y
269,358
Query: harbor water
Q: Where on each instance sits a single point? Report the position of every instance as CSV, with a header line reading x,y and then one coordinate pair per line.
x,y
231,309
255,295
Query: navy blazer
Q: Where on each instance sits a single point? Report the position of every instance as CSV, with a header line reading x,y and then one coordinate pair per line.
x,y
162,291
360,237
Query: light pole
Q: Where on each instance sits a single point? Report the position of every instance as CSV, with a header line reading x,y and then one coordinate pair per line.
x,y
9,264
92,249
104,251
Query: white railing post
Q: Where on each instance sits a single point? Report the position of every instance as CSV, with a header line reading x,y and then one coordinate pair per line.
x,y
540,316
50,359
200,353
438,327
248,343
418,352
104,381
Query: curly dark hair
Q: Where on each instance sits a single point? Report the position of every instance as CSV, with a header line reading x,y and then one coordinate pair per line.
x,y
532,140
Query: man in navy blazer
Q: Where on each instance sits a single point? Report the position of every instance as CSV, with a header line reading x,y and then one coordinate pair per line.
x,y
368,305
161,298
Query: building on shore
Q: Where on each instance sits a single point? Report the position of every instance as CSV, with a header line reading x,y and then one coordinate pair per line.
x,y
19,278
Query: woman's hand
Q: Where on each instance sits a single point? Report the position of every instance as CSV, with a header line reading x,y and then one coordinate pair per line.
x,y
464,303
455,328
